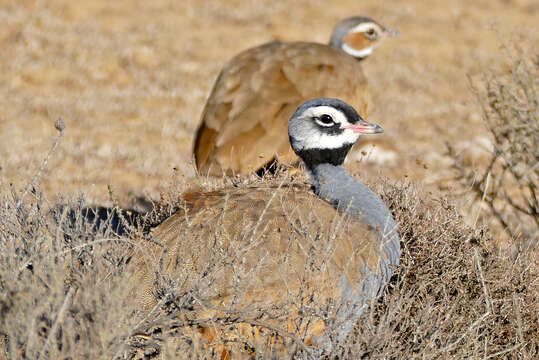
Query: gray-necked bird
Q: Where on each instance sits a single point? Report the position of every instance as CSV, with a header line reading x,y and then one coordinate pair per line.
x,y
243,125
307,260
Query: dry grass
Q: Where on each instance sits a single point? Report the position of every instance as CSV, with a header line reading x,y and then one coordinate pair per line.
x,y
130,80
64,292
62,285
507,184
130,88
453,296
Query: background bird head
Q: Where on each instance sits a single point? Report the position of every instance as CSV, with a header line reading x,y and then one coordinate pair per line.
x,y
359,36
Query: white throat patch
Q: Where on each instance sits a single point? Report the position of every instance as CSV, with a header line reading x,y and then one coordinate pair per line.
x,y
357,53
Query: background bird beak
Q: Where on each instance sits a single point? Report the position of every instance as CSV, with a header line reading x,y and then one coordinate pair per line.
x,y
364,128
391,32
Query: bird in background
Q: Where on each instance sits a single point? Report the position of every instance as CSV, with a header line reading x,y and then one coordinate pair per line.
x,y
243,125
307,260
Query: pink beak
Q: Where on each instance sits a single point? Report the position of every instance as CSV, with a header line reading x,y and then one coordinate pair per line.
x,y
364,128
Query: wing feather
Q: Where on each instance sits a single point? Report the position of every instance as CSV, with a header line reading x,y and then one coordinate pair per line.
x,y
256,250
244,122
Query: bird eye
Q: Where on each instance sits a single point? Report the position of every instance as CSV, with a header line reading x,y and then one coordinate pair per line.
x,y
326,120
371,34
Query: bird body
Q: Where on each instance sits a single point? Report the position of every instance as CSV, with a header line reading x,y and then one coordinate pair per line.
x,y
243,125
279,257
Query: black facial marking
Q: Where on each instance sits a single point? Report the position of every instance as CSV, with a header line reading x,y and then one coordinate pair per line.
x,y
351,115
313,157
331,130
349,112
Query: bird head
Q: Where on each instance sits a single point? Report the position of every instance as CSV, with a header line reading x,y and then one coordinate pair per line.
x,y
324,130
358,36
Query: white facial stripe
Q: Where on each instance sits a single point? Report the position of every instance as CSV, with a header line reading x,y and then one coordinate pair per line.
x,y
364,27
318,111
357,53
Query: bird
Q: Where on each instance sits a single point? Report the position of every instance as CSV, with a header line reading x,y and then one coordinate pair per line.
x,y
243,124
279,256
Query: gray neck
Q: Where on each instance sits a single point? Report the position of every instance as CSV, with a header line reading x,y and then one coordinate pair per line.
x,y
335,41
336,37
334,184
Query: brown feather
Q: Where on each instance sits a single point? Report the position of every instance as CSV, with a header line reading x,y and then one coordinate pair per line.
x,y
275,249
243,125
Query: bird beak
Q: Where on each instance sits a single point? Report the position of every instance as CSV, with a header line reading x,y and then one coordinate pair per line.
x,y
391,32
364,128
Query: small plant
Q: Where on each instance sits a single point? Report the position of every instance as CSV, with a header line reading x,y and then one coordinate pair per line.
x,y
508,184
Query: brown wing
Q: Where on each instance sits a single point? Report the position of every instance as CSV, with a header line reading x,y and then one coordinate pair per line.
x,y
266,253
245,120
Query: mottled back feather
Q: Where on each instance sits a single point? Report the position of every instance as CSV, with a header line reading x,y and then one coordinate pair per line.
x,y
244,123
255,249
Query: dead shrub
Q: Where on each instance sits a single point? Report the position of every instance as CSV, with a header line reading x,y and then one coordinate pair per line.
x,y
507,185
453,296
61,282
63,292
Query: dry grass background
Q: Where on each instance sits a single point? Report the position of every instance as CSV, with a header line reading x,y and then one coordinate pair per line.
x,y
130,78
